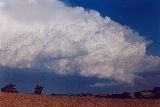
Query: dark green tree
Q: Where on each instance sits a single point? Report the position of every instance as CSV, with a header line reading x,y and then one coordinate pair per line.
x,y
38,89
10,88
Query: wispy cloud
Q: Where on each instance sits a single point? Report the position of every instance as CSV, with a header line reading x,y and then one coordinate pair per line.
x,y
103,84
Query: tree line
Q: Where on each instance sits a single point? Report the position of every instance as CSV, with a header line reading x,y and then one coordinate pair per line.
x,y
11,88
145,94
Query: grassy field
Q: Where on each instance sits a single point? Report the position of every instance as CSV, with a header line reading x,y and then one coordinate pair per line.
x,y
29,100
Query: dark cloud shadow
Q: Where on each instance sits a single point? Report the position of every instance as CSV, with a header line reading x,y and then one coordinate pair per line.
x,y
148,80
26,79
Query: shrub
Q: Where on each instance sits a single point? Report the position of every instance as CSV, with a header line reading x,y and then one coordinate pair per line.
x,y
10,88
38,89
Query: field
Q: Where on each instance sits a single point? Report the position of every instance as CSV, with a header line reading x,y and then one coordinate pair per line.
x,y
29,100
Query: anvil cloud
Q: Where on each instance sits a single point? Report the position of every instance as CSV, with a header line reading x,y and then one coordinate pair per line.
x,y
49,35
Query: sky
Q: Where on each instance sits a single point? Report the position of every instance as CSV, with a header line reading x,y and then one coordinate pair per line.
x,y
80,46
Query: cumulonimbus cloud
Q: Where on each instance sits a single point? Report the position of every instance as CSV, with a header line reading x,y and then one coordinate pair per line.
x,y
48,34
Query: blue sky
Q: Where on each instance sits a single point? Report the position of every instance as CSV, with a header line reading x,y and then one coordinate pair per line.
x,y
142,16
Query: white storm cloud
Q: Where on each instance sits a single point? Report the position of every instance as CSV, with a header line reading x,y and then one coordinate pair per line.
x,y
48,34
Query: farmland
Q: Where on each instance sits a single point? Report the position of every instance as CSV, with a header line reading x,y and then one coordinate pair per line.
x,y
30,100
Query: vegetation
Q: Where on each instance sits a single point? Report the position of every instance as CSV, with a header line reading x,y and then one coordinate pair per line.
x,y
38,89
10,88
145,94
149,98
32,100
